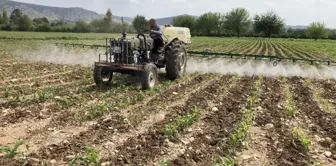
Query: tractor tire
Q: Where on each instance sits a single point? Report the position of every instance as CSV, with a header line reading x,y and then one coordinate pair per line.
x,y
102,76
149,76
176,60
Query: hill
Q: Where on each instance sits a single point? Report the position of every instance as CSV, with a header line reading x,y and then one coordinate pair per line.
x,y
54,13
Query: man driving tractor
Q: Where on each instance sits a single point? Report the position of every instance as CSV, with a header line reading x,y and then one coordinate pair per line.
x,y
157,40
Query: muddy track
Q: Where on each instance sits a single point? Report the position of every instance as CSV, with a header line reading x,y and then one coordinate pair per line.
x,y
218,126
97,134
148,146
323,123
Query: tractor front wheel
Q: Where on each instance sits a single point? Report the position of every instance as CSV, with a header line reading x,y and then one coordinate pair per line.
x,y
176,60
102,76
149,76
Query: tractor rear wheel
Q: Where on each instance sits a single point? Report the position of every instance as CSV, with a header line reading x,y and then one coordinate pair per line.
x,y
102,76
176,60
149,76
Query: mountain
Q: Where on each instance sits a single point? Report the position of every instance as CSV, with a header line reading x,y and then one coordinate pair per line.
x,y
54,13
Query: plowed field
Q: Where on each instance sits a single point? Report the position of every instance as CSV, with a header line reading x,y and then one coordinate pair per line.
x,y
201,119
53,114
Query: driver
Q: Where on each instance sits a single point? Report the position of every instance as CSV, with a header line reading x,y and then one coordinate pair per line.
x,y
157,39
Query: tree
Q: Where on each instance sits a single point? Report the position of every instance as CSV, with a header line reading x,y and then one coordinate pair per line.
x,y
82,26
24,23
209,23
184,21
237,21
140,23
40,20
107,27
5,19
123,25
317,30
15,16
268,23
43,27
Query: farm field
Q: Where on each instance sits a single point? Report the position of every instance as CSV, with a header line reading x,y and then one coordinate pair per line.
x,y
200,119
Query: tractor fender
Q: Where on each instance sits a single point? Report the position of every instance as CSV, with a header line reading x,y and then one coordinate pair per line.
x,y
169,43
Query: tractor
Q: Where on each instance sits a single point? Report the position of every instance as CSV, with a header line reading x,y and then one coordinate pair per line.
x,y
132,55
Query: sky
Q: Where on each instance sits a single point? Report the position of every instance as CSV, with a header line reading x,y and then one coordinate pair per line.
x,y
295,12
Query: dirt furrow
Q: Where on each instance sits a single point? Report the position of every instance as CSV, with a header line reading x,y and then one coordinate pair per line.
x,y
242,47
113,125
173,149
219,125
321,123
278,51
309,55
264,48
295,53
328,88
147,146
28,79
251,48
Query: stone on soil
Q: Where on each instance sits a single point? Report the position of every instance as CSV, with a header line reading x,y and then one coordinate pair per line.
x,y
269,126
327,154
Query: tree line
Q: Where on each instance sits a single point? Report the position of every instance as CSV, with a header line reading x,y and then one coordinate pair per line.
x,y
236,22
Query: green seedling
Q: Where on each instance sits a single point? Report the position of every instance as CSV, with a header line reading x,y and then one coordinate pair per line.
x,y
64,102
14,151
165,163
304,140
172,129
95,110
6,92
90,157
225,161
